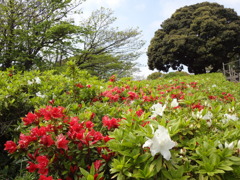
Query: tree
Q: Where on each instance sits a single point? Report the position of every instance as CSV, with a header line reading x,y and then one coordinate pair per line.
x,y
106,48
30,26
105,65
199,36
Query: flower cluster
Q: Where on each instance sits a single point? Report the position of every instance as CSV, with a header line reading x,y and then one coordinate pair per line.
x,y
51,137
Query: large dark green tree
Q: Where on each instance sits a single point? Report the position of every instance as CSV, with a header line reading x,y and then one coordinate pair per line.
x,y
107,50
200,36
29,27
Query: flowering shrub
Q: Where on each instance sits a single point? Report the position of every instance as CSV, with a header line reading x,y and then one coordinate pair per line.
x,y
161,129
56,145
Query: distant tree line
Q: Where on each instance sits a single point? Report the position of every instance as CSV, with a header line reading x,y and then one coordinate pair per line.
x,y
37,34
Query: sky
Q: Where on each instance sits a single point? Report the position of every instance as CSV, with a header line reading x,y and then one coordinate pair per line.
x,y
147,15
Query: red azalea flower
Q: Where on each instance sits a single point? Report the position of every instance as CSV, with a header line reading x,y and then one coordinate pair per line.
x,y
50,112
110,123
43,171
80,135
139,112
45,112
39,131
42,161
89,124
108,156
74,120
25,140
77,127
46,140
57,112
79,85
197,106
42,165
10,146
132,95
31,167
106,138
97,165
62,142
97,136
30,118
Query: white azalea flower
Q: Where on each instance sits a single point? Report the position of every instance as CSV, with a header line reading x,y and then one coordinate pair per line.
x,y
39,94
198,115
220,145
231,117
174,103
160,143
214,85
30,82
229,145
37,80
157,110
207,116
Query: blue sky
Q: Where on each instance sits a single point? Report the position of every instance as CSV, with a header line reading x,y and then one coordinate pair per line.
x,y
147,15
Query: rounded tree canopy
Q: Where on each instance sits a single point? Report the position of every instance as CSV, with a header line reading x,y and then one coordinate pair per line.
x,y
200,36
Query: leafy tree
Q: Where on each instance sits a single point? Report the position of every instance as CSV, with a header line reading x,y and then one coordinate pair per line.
x,y
29,27
106,48
199,36
105,65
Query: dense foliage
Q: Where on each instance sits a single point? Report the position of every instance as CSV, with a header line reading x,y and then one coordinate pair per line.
x,y
157,75
154,75
200,36
28,28
82,128
42,35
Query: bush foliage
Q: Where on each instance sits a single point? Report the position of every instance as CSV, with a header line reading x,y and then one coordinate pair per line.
x,y
73,126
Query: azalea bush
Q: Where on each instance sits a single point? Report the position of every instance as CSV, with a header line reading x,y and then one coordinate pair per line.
x,y
184,128
22,92
63,146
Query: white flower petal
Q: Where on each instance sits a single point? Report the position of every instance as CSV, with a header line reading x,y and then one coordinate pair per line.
x,y
37,80
166,154
29,82
174,103
157,109
148,143
160,143
39,94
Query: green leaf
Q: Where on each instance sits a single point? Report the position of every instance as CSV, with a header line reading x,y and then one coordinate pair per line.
x,y
84,172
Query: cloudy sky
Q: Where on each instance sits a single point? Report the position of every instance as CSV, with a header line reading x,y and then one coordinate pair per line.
x,y
147,15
